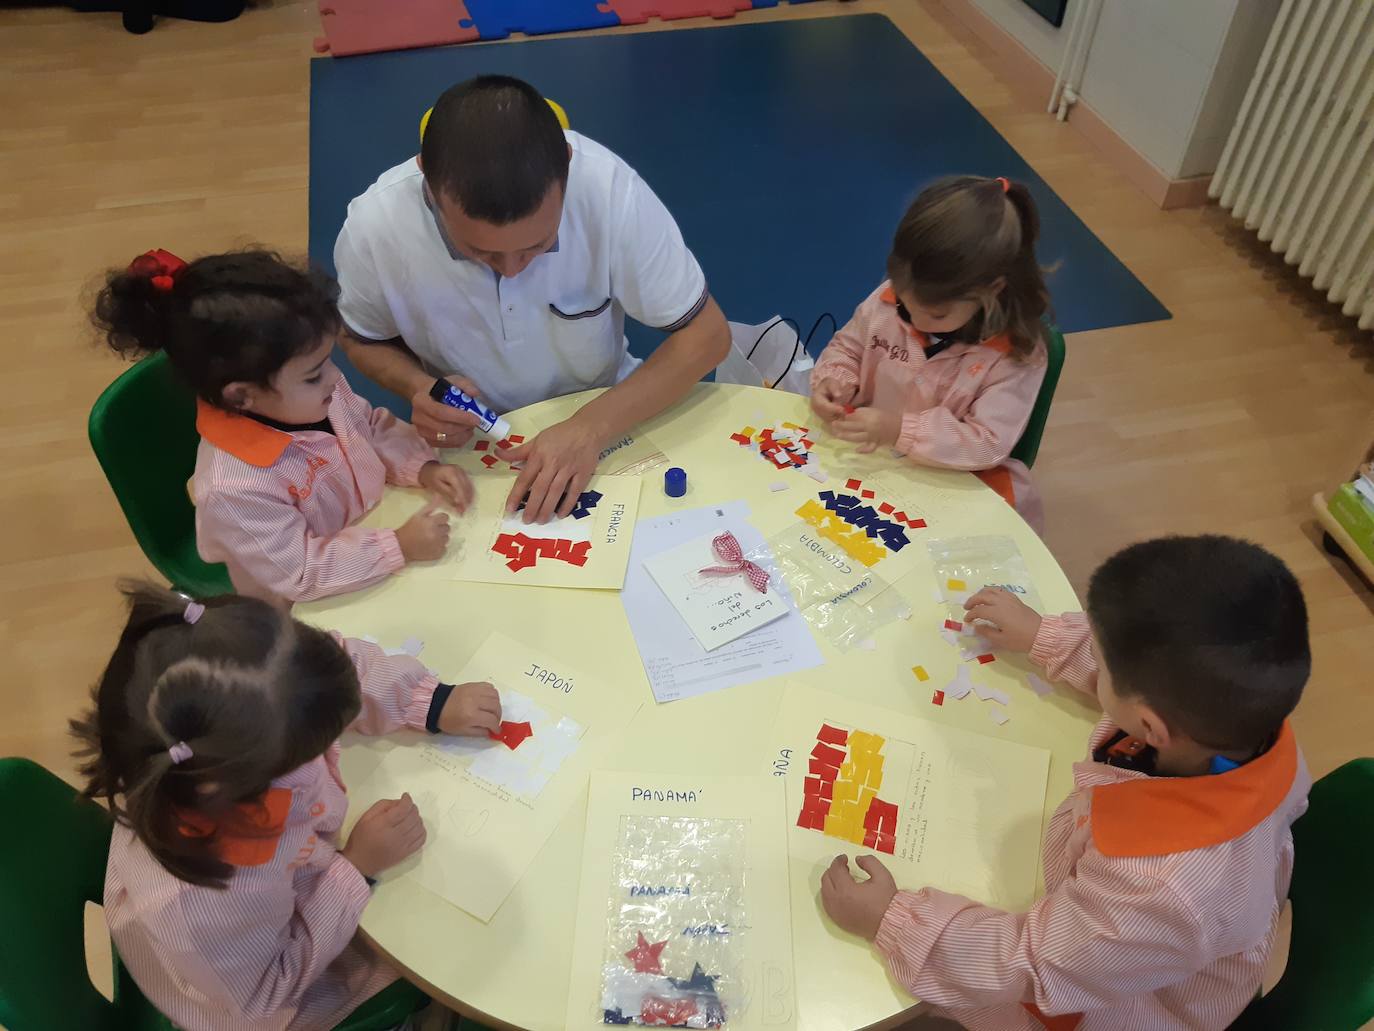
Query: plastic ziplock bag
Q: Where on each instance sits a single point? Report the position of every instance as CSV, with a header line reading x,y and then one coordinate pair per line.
x,y
674,921
842,599
965,565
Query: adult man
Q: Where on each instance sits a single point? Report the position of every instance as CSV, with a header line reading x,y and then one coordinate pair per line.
x,y
505,259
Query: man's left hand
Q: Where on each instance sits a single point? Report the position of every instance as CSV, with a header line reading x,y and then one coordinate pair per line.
x,y
558,465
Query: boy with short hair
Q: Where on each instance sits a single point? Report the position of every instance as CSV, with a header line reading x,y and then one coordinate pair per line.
x,y
1168,865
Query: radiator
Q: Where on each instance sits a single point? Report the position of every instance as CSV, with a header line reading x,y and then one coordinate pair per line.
x,y
1298,168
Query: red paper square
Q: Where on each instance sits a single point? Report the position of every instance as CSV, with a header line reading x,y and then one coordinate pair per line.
x,y
916,524
938,698
832,735
515,438
868,495
481,445
985,659
953,625
853,484
885,508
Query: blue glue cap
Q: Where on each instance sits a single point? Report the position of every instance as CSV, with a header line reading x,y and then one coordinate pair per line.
x,y
675,482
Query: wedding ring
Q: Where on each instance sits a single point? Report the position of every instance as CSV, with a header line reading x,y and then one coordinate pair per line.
x,y
441,437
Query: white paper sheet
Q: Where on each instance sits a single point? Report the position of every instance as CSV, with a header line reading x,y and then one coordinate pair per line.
x,y
1038,686
718,609
674,661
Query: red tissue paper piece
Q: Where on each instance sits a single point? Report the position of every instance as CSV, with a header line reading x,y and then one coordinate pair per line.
x,y
868,495
853,484
916,524
512,734
985,659
832,735
823,770
657,1012
953,625
488,461
481,445
515,438
828,755
645,956
885,508
938,698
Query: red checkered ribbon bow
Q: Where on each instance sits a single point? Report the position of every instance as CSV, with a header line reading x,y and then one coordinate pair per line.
x,y
727,549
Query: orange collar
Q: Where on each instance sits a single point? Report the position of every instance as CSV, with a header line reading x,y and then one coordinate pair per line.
x,y
244,438
1001,344
1155,816
248,835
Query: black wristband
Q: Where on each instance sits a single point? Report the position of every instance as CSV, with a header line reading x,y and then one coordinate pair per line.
x,y
436,706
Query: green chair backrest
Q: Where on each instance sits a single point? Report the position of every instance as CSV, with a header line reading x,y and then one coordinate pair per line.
x,y
1328,984
143,431
52,862
1029,445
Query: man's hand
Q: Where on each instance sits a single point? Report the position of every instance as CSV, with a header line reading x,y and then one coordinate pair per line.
x,y
870,428
424,536
447,482
1003,619
472,710
439,424
391,830
858,907
558,466
830,399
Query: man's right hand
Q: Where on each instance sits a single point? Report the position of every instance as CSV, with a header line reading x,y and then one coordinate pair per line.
x,y
439,424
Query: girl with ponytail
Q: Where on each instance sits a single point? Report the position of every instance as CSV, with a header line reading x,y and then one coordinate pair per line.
x,y
944,360
229,891
290,458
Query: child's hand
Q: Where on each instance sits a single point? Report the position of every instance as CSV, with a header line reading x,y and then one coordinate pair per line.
x,y
1014,624
448,482
870,428
424,535
830,399
387,833
858,907
472,710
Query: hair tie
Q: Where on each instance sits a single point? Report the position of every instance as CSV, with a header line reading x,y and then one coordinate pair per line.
x,y
159,267
1006,183
179,752
194,610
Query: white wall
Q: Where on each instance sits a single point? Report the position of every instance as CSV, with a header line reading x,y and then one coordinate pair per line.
x,y
1167,75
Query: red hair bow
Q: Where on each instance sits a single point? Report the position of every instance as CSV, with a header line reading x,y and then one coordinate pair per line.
x,y
727,549
159,266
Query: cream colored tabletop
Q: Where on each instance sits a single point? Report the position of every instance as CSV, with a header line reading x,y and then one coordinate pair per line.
x,y
514,970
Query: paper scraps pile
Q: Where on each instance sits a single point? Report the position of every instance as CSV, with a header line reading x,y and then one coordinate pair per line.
x,y
785,446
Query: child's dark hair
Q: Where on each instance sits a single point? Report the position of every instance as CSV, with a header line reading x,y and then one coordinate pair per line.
x,y
1211,632
958,237
252,693
494,145
222,319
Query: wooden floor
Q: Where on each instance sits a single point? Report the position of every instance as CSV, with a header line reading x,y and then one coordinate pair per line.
x,y
194,137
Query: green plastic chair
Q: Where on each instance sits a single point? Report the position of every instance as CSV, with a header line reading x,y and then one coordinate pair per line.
x,y
1029,445
1329,982
51,864
143,431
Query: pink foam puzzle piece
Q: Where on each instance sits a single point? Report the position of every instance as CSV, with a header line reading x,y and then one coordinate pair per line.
x,y
636,12
370,26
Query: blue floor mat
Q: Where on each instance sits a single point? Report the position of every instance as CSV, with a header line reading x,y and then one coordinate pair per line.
x,y
787,151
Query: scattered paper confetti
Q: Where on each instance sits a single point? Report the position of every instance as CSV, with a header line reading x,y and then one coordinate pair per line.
x,y
951,638
1038,686
991,694
998,716
921,673
956,585
786,446
775,487
986,657
853,484
961,685
954,625
938,698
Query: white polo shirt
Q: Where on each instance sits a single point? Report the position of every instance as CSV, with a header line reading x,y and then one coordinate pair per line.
x,y
557,327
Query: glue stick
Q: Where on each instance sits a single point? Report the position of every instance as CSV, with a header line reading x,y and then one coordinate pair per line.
x,y
488,421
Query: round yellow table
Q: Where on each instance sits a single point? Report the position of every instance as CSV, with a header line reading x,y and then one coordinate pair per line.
x,y
514,970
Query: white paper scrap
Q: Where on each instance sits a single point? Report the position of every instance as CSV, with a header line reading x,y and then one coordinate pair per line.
x,y
775,487
998,716
961,685
1038,686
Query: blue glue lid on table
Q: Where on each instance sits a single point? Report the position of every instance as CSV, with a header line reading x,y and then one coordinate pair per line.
x,y
675,482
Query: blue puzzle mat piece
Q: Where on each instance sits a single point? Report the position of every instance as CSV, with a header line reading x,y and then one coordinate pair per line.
x,y
497,19
787,151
